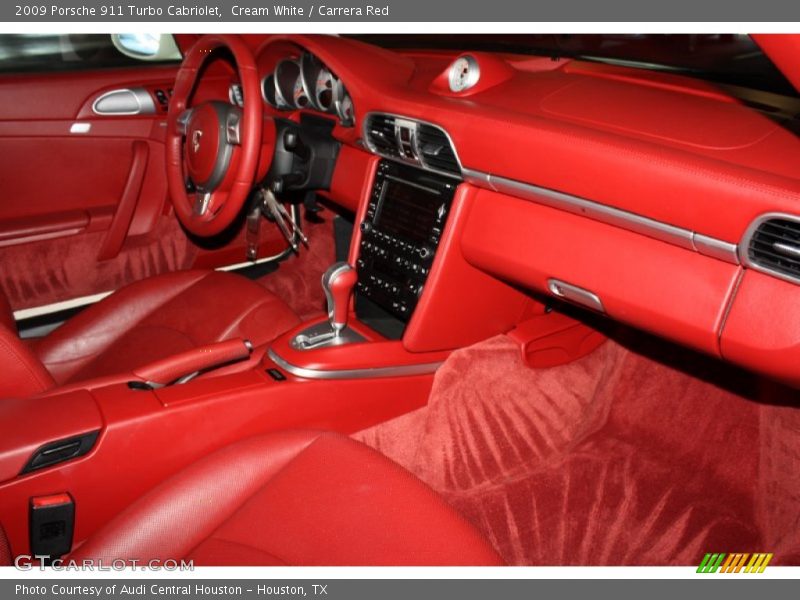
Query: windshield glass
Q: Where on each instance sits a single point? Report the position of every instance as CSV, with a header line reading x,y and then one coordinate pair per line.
x,y
732,59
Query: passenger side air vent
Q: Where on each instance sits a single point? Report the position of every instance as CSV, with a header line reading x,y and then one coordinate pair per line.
x,y
436,151
381,135
774,246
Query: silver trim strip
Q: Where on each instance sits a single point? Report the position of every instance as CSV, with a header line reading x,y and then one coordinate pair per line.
x,y
744,245
708,246
377,372
80,127
477,178
36,311
671,234
599,212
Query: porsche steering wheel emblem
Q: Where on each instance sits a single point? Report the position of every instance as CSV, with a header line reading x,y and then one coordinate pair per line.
x,y
196,135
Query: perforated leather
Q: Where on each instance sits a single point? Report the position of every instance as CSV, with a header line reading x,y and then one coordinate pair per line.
x,y
296,498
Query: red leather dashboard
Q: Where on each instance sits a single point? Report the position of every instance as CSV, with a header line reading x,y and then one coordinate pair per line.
x,y
673,149
683,154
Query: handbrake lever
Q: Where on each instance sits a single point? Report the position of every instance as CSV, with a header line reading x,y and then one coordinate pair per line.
x,y
180,368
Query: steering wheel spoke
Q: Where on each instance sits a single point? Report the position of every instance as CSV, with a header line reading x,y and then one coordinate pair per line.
x,y
202,200
233,126
182,123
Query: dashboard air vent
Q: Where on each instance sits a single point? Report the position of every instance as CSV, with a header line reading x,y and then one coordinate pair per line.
x,y
774,246
381,134
436,150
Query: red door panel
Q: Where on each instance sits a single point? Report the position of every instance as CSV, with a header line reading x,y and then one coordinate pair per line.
x,y
85,206
64,175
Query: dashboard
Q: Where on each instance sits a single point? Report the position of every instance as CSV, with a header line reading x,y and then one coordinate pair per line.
x,y
648,192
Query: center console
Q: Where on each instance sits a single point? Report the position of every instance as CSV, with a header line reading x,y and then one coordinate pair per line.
x,y
400,234
335,372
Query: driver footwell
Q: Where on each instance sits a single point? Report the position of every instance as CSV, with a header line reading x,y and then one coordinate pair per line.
x,y
637,454
297,280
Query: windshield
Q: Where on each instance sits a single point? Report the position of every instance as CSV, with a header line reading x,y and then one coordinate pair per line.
x,y
732,59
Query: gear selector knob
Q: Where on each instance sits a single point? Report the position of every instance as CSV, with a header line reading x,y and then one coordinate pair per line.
x,y
338,282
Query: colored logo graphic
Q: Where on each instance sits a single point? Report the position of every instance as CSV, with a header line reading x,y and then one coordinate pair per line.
x,y
734,563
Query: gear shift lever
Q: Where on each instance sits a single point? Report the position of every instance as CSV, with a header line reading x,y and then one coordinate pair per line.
x,y
338,282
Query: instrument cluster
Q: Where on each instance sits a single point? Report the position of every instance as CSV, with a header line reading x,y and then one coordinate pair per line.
x,y
306,83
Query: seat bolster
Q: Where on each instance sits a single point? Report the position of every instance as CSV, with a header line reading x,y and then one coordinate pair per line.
x,y
159,317
176,516
6,314
23,374
295,498
74,344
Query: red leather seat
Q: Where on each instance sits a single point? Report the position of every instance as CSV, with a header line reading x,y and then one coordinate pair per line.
x,y
292,498
140,323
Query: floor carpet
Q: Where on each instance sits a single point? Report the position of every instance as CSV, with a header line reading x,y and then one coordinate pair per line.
x,y
298,278
640,453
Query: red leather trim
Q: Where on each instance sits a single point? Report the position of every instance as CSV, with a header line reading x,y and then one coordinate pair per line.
x,y
173,367
351,179
357,508
62,95
7,315
16,231
655,286
22,373
460,304
493,68
762,331
242,405
782,50
374,353
159,317
553,339
5,549
38,422
123,216
111,127
661,146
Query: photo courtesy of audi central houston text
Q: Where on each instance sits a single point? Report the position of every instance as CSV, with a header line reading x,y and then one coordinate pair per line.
x,y
400,299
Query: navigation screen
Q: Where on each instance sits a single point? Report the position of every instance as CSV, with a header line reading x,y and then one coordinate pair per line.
x,y
407,211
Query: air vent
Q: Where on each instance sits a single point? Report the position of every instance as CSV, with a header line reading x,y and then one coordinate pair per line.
x,y
774,246
412,142
436,150
381,135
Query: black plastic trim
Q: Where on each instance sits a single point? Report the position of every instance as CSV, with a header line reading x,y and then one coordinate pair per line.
x,y
60,451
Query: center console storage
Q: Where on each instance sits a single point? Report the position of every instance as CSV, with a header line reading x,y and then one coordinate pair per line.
x,y
400,233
